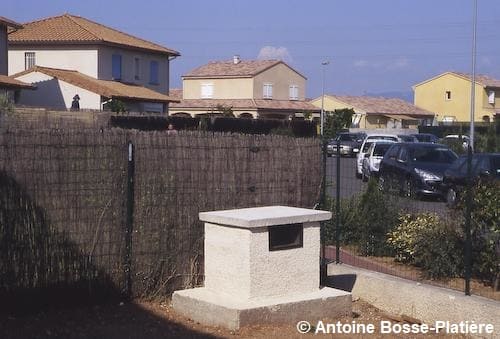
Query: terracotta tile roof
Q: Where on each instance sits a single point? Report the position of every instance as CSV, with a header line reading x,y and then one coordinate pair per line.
x,y
71,29
379,105
241,104
175,93
9,82
228,69
9,23
484,80
106,88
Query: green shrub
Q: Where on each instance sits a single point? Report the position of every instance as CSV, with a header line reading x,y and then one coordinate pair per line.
x,y
485,230
426,241
439,251
404,237
376,217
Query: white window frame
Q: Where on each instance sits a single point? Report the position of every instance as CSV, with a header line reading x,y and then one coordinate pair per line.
x,y
267,91
29,60
491,97
207,90
293,92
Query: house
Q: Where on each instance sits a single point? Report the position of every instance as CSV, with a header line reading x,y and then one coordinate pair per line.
x,y
57,87
449,93
377,112
245,88
73,43
8,86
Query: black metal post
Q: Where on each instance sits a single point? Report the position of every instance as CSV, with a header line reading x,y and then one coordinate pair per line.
x,y
337,208
323,273
129,219
467,228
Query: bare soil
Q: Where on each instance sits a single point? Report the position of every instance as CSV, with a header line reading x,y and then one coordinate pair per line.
x,y
159,320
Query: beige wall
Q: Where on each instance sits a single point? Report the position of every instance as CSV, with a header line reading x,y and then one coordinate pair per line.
x,y
223,88
431,96
281,76
55,94
82,60
128,67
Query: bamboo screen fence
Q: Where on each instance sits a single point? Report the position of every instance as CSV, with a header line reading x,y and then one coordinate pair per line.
x,y
68,217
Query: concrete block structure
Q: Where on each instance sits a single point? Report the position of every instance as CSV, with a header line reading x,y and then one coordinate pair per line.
x,y
262,266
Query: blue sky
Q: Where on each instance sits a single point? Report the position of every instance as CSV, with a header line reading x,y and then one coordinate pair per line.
x,y
374,46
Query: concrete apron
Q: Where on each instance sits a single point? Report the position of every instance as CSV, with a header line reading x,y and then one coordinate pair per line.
x,y
406,298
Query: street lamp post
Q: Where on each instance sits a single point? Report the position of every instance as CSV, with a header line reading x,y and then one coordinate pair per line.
x,y
473,76
324,63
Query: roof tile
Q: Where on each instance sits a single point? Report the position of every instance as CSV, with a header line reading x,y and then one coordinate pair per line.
x,y
106,88
379,105
69,28
245,68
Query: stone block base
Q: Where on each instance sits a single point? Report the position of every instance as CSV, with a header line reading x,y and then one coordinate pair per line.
x,y
212,308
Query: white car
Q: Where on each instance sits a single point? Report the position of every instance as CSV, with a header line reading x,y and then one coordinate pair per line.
x,y
373,157
364,148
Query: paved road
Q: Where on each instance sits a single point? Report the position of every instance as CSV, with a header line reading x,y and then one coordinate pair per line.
x,y
350,186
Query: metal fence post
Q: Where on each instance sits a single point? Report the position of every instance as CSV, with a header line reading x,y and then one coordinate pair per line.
x,y
129,218
467,230
337,208
323,266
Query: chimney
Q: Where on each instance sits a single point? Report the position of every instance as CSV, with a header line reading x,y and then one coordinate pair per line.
x,y
236,59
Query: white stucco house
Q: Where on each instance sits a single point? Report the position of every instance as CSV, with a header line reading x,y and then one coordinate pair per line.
x,y
88,50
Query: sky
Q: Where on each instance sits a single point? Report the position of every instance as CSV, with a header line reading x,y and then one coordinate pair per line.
x,y
373,47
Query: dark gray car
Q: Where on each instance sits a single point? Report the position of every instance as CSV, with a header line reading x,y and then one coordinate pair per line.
x,y
415,168
349,144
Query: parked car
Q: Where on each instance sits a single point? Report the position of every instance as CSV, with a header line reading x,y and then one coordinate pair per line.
x,y
415,169
455,138
349,144
407,138
373,156
484,165
426,137
364,148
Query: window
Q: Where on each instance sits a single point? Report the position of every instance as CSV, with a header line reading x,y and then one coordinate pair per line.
x,y
267,91
207,91
293,92
116,67
29,60
491,97
153,73
137,69
447,95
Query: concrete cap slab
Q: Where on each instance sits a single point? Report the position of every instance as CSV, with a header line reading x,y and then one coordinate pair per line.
x,y
264,216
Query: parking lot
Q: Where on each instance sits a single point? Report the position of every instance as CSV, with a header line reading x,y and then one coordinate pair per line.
x,y
351,186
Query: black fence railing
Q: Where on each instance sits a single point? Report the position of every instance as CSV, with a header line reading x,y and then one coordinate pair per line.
x,y
414,237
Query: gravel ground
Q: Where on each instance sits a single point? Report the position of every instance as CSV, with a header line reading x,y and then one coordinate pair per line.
x,y
158,320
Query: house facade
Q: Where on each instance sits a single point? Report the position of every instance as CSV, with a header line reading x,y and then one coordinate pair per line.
x,y
449,94
74,43
377,112
9,87
248,88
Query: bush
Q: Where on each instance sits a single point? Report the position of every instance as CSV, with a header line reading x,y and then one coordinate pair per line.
x,y
485,230
376,218
426,241
404,238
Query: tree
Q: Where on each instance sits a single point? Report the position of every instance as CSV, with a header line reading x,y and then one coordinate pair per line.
x,y
227,111
336,121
